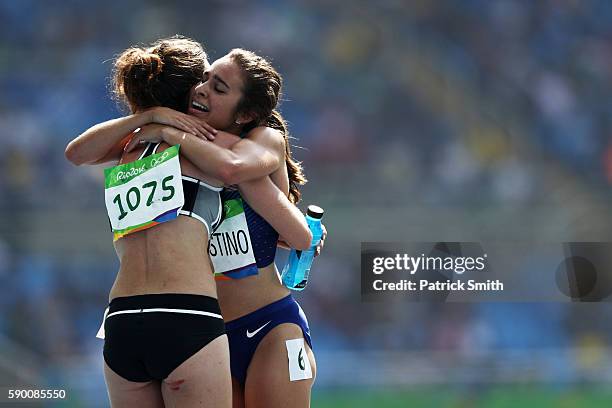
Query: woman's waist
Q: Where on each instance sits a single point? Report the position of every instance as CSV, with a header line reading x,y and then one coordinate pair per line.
x,y
132,283
169,266
165,302
239,297
150,272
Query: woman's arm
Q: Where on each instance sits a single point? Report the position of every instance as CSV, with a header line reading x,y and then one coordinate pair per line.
x,y
262,194
272,204
105,141
259,155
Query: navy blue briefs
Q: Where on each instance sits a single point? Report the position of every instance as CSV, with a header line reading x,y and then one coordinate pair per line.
x,y
246,332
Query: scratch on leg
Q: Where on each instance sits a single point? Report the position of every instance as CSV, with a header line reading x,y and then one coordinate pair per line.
x,y
175,385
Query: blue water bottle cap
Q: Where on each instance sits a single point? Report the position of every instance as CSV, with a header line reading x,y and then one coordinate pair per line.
x,y
315,212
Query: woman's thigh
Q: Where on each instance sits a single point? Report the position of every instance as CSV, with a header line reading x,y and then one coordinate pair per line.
x,y
124,393
237,394
203,380
268,383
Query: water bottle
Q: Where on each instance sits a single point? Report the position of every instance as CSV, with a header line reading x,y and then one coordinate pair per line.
x,y
295,273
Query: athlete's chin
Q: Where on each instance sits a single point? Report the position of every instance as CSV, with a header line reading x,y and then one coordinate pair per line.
x,y
197,113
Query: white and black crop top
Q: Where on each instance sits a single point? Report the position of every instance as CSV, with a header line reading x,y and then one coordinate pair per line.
x,y
202,201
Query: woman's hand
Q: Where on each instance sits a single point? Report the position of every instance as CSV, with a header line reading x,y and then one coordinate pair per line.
x,y
181,121
282,242
322,241
150,133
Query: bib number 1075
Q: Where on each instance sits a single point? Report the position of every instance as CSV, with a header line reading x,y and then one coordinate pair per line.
x,y
133,195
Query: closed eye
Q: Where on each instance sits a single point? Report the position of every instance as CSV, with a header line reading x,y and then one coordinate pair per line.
x,y
221,81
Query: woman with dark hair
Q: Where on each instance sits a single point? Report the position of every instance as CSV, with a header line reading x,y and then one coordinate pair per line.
x,y
165,341
271,357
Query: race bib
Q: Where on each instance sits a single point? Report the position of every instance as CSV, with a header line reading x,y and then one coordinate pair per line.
x,y
144,193
230,246
299,364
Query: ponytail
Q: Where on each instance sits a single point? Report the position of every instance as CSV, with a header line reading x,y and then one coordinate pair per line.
x,y
294,167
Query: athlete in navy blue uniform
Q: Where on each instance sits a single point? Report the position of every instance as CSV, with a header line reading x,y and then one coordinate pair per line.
x,y
245,333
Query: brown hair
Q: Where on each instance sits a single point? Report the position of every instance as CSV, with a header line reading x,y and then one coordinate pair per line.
x,y
261,94
159,75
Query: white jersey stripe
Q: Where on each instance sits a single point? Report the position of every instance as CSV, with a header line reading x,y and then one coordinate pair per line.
x,y
184,311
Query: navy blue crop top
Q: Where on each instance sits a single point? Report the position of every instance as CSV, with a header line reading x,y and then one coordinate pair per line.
x,y
264,238
233,254
243,242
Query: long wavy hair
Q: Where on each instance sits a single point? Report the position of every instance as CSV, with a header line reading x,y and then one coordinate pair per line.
x,y
261,94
